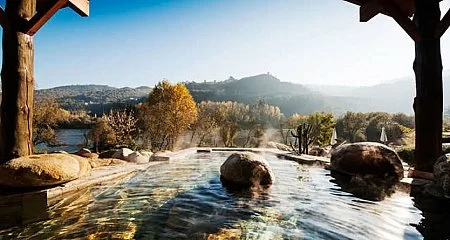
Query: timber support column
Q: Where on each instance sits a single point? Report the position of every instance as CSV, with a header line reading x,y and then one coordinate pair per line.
x,y
20,20
428,103
17,81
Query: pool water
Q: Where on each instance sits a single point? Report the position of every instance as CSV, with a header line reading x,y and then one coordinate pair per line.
x,y
184,199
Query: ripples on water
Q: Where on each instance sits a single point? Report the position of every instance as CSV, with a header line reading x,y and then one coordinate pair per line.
x,y
184,199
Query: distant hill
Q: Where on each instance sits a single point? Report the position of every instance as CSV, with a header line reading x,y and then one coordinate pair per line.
x,y
94,98
290,97
392,96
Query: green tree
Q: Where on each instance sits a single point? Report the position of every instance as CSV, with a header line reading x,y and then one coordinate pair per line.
x,y
394,130
168,112
102,135
351,127
319,127
404,120
375,122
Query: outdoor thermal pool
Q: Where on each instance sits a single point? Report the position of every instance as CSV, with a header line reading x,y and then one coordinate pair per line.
x,y
184,199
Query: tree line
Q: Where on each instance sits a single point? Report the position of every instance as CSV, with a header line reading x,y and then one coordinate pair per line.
x,y
170,118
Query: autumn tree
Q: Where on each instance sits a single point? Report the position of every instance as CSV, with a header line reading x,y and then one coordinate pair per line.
x,y
231,114
169,111
47,115
260,116
207,122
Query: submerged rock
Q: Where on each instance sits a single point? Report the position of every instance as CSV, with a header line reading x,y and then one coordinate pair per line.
x,y
102,162
136,157
122,153
319,151
84,152
146,153
367,158
43,170
107,153
246,170
279,146
160,156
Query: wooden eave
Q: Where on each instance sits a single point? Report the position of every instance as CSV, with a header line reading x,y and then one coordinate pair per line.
x,y
79,6
406,7
45,9
401,11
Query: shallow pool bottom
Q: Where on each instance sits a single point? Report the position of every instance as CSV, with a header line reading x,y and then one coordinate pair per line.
x,y
184,199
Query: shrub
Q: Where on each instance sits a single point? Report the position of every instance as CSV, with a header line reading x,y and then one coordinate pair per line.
x,y
407,155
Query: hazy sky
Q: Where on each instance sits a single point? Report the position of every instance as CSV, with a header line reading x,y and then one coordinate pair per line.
x,y
140,42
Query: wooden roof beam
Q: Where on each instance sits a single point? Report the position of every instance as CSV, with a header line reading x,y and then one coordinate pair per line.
x,y
41,17
3,19
407,7
369,10
443,25
80,6
403,20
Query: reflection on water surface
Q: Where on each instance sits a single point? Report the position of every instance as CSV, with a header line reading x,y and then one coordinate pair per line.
x,y
184,199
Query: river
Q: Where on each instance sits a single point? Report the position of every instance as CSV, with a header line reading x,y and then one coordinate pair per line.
x,y
71,140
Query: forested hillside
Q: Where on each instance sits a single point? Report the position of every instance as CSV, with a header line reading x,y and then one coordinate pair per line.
x,y
94,98
290,97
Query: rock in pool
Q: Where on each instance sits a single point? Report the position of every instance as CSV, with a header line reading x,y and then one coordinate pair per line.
x,y
367,158
43,170
246,170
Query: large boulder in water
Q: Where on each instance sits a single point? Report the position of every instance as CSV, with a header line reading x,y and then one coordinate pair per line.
x,y
246,170
43,170
367,158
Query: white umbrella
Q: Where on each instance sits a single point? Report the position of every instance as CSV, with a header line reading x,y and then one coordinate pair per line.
x,y
334,137
383,137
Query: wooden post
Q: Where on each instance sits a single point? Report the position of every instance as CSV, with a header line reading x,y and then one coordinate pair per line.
x,y
428,103
17,82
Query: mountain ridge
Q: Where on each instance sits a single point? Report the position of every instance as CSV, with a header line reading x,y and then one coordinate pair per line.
x,y
392,96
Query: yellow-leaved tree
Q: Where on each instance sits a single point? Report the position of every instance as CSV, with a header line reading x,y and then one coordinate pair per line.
x,y
47,115
169,111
